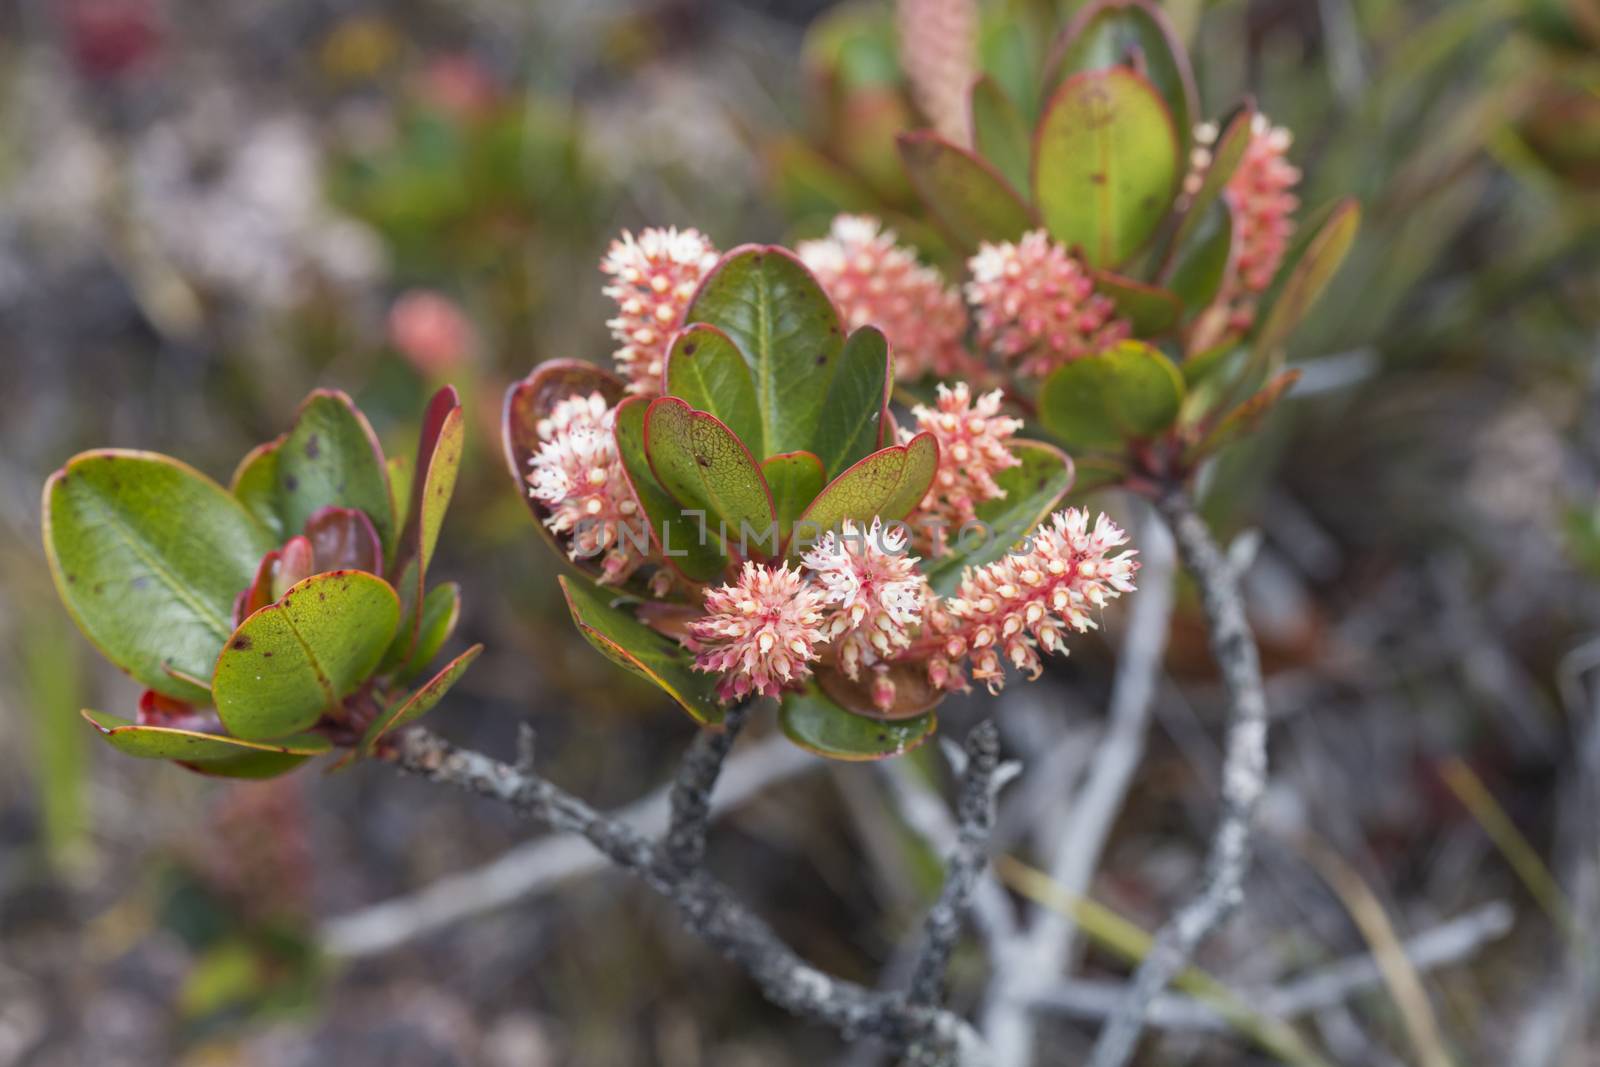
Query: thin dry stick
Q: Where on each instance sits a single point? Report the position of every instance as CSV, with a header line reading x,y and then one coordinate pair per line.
x,y
932,1036
544,863
975,814
1039,961
1244,776
685,845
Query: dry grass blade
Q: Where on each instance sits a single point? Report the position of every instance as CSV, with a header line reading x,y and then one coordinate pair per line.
x,y
1125,939
1399,975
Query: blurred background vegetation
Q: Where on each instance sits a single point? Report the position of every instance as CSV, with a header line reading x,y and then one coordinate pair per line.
x,y
207,209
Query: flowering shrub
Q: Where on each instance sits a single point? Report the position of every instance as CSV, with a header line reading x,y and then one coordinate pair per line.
x,y
1132,273
752,521
273,620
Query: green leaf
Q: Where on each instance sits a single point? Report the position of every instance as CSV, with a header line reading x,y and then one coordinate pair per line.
x,y
294,660
632,645
331,456
967,195
852,423
1000,132
706,370
706,468
1105,164
815,723
680,540
439,450
888,484
766,301
532,399
400,475
1130,34
441,609
1101,402
795,479
1033,490
419,703
1226,155
1308,275
188,746
147,555
1201,262
255,484
1246,418
1151,311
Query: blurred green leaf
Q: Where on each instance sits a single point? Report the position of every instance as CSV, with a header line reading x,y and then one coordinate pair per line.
x,y
1103,401
965,193
1306,276
147,554
1201,261
1150,310
1000,132
1105,164
1131,34
255,484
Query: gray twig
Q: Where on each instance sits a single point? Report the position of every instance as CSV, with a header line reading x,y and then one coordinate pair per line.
x,y
1244,775
975,816
685,843
1444,945
932,1037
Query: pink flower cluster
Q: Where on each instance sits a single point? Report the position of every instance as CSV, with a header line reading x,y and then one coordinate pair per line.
x,y
1036,305
972,450
877,282
874,592
578,476
1260,193
939,51
653,278
760,633
866,597
1024,602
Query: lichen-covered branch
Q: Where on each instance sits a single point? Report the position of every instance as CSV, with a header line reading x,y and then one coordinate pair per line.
x,y
1244,775
685,843
975,817
932,1036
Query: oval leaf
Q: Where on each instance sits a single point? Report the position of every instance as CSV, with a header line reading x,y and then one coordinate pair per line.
x,y
1105,164
331,457
788,330
188,746
815,723
1149,310
1201,262
255,485
419,703
967,195
1128,392
1133,34
1309,275
999,131
853,424
706,370
795,479
294,660
634,646
888,484
707,469
678,539
148,555
1033,490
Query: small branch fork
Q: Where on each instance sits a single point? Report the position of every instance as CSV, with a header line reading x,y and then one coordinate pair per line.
x,y
1244,776
673,868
